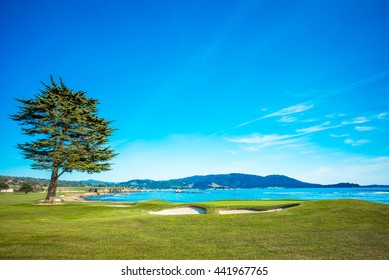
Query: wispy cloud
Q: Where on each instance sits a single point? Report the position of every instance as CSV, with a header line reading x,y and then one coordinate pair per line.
x,y
283,112
357,120
286,143
258,138
331,116
287,119
339,135
315,128
291,110
364,128
382,116
356,143
255,142
309,120
356,84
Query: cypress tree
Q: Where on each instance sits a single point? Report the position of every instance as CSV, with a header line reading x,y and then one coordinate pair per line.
x,y
68,134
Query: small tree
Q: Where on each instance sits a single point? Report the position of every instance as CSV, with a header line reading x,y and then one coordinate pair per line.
x,y
26,188
72,136
3,186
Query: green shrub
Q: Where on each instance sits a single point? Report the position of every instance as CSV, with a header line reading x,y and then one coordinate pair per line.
x,y
3,186
26,188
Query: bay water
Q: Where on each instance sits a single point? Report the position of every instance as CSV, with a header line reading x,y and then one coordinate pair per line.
x,y
374,194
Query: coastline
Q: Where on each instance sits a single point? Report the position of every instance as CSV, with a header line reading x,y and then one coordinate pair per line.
x,y
78,197
378,195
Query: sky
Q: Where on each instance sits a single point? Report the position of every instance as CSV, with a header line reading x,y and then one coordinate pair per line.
x,y
298,88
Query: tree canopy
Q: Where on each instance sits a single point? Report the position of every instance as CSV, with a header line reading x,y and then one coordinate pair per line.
x,y
68,134
26,188
3,186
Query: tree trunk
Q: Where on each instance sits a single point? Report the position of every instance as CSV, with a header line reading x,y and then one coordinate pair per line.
x,y
52,191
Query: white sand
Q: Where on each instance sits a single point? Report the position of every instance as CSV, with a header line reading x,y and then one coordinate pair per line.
x,y
225,212
179,211
196,210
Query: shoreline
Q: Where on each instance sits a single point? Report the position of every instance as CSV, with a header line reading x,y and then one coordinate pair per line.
x,y
79,197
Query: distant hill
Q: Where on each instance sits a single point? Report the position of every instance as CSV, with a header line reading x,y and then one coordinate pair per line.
x,y
16,181
95,182
234,180
222,181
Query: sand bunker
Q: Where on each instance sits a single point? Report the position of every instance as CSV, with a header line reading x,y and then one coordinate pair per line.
x,y
246,211
180,211
198,210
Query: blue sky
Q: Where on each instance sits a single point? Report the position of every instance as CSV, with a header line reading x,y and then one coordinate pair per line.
x,y
299,88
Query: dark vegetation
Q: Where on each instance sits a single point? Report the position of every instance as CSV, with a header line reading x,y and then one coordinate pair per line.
x,y
67,134
196,182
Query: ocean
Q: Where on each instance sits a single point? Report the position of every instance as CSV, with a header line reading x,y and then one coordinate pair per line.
x,y
374,194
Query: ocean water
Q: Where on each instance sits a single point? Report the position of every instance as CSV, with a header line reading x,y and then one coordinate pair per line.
x,y
380,195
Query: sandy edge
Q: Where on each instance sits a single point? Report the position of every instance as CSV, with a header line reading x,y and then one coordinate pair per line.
x,y
178,211
196,211
246,211
80,197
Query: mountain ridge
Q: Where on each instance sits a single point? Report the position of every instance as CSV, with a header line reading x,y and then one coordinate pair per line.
x,y
221,181
232,180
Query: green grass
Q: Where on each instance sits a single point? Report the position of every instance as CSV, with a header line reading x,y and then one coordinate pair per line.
x,y
336,229
213,207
